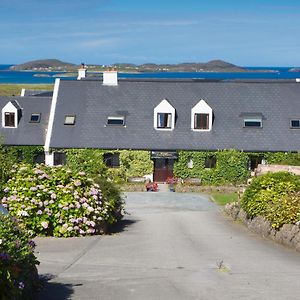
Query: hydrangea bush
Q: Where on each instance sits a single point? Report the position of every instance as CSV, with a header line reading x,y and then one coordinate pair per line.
x,y
55,201
18,273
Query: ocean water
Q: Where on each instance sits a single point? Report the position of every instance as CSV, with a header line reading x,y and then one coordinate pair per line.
x,y
7,76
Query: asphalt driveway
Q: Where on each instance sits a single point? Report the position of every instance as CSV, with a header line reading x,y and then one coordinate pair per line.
x,y
171,246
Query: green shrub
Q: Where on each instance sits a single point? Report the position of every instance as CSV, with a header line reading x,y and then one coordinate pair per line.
x,y
18,273
273,196
55,201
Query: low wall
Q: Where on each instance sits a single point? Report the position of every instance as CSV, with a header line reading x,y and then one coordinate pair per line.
x,y
262,169
288,235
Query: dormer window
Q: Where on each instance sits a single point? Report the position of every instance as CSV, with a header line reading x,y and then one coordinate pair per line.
x,y
9,120
11,113
164,116
116,121
35,118
201,117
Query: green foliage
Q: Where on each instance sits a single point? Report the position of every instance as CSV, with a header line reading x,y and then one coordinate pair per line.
x,y
231,166
274,196
55,201
18,274
89,161
135,163
282,158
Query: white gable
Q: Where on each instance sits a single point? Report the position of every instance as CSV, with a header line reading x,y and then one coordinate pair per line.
x,y
10,108
166,108
202,108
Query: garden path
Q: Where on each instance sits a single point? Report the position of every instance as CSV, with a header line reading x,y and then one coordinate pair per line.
x,y
170,246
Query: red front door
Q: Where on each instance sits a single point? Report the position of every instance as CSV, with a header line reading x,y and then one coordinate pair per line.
x,y
163,168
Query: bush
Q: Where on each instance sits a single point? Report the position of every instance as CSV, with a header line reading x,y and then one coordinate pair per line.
x,y
274,196
55,201
18,274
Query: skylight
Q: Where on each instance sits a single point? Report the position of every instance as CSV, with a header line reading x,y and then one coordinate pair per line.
x,y
116,120
70,119
35,118
295,123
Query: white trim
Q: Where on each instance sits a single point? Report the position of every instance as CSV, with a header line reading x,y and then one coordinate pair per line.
x,y
10,108
51,116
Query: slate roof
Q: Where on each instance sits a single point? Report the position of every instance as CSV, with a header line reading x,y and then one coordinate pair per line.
x,y
27,133
92,103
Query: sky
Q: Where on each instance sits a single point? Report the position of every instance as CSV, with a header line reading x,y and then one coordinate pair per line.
x,y
242,32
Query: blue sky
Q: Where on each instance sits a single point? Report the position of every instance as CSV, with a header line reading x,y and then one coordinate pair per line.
x,y
246,33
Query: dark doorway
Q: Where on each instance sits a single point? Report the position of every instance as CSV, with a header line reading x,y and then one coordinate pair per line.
x,y
163,168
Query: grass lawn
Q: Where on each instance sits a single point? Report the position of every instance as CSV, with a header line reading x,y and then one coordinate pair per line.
x,y
15,89
223,199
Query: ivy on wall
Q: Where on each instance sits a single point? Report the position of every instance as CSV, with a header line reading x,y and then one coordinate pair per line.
x,y
133,163
232,166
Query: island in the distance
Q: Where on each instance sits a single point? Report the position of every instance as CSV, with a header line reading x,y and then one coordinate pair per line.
x,y
48,65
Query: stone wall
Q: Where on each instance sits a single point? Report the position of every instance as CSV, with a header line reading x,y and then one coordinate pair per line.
x,y
288,235
262,169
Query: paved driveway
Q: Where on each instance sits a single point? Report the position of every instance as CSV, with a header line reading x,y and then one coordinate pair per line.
x,y
171,246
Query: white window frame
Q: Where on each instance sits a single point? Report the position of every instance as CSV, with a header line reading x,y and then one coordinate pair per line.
x,y
202,108
164,107
122,118
253,119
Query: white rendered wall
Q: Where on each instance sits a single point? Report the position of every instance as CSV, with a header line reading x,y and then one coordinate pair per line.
x,y
9,108
110,78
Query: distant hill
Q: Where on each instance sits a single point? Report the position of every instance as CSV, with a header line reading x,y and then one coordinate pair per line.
x,y
43,65
211,66
57,65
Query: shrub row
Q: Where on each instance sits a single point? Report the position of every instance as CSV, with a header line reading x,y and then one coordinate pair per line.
x,y
275,196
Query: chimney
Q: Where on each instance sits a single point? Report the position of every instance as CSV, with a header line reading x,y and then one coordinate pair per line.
x,y
297,79
110,78
81,71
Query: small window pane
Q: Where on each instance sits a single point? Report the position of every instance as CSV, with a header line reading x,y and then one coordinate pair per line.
x,y
295,123
9,119
70,120
164,120
116,121
35,118
201,121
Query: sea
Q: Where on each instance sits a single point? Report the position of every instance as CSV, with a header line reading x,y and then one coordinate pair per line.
x,y
35,77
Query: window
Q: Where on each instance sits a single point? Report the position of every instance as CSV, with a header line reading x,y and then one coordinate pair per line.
x,y
9,119
164,120
35,118
210,162
112,160
116,121
251,122
295,123
201,121
69,120
59,158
